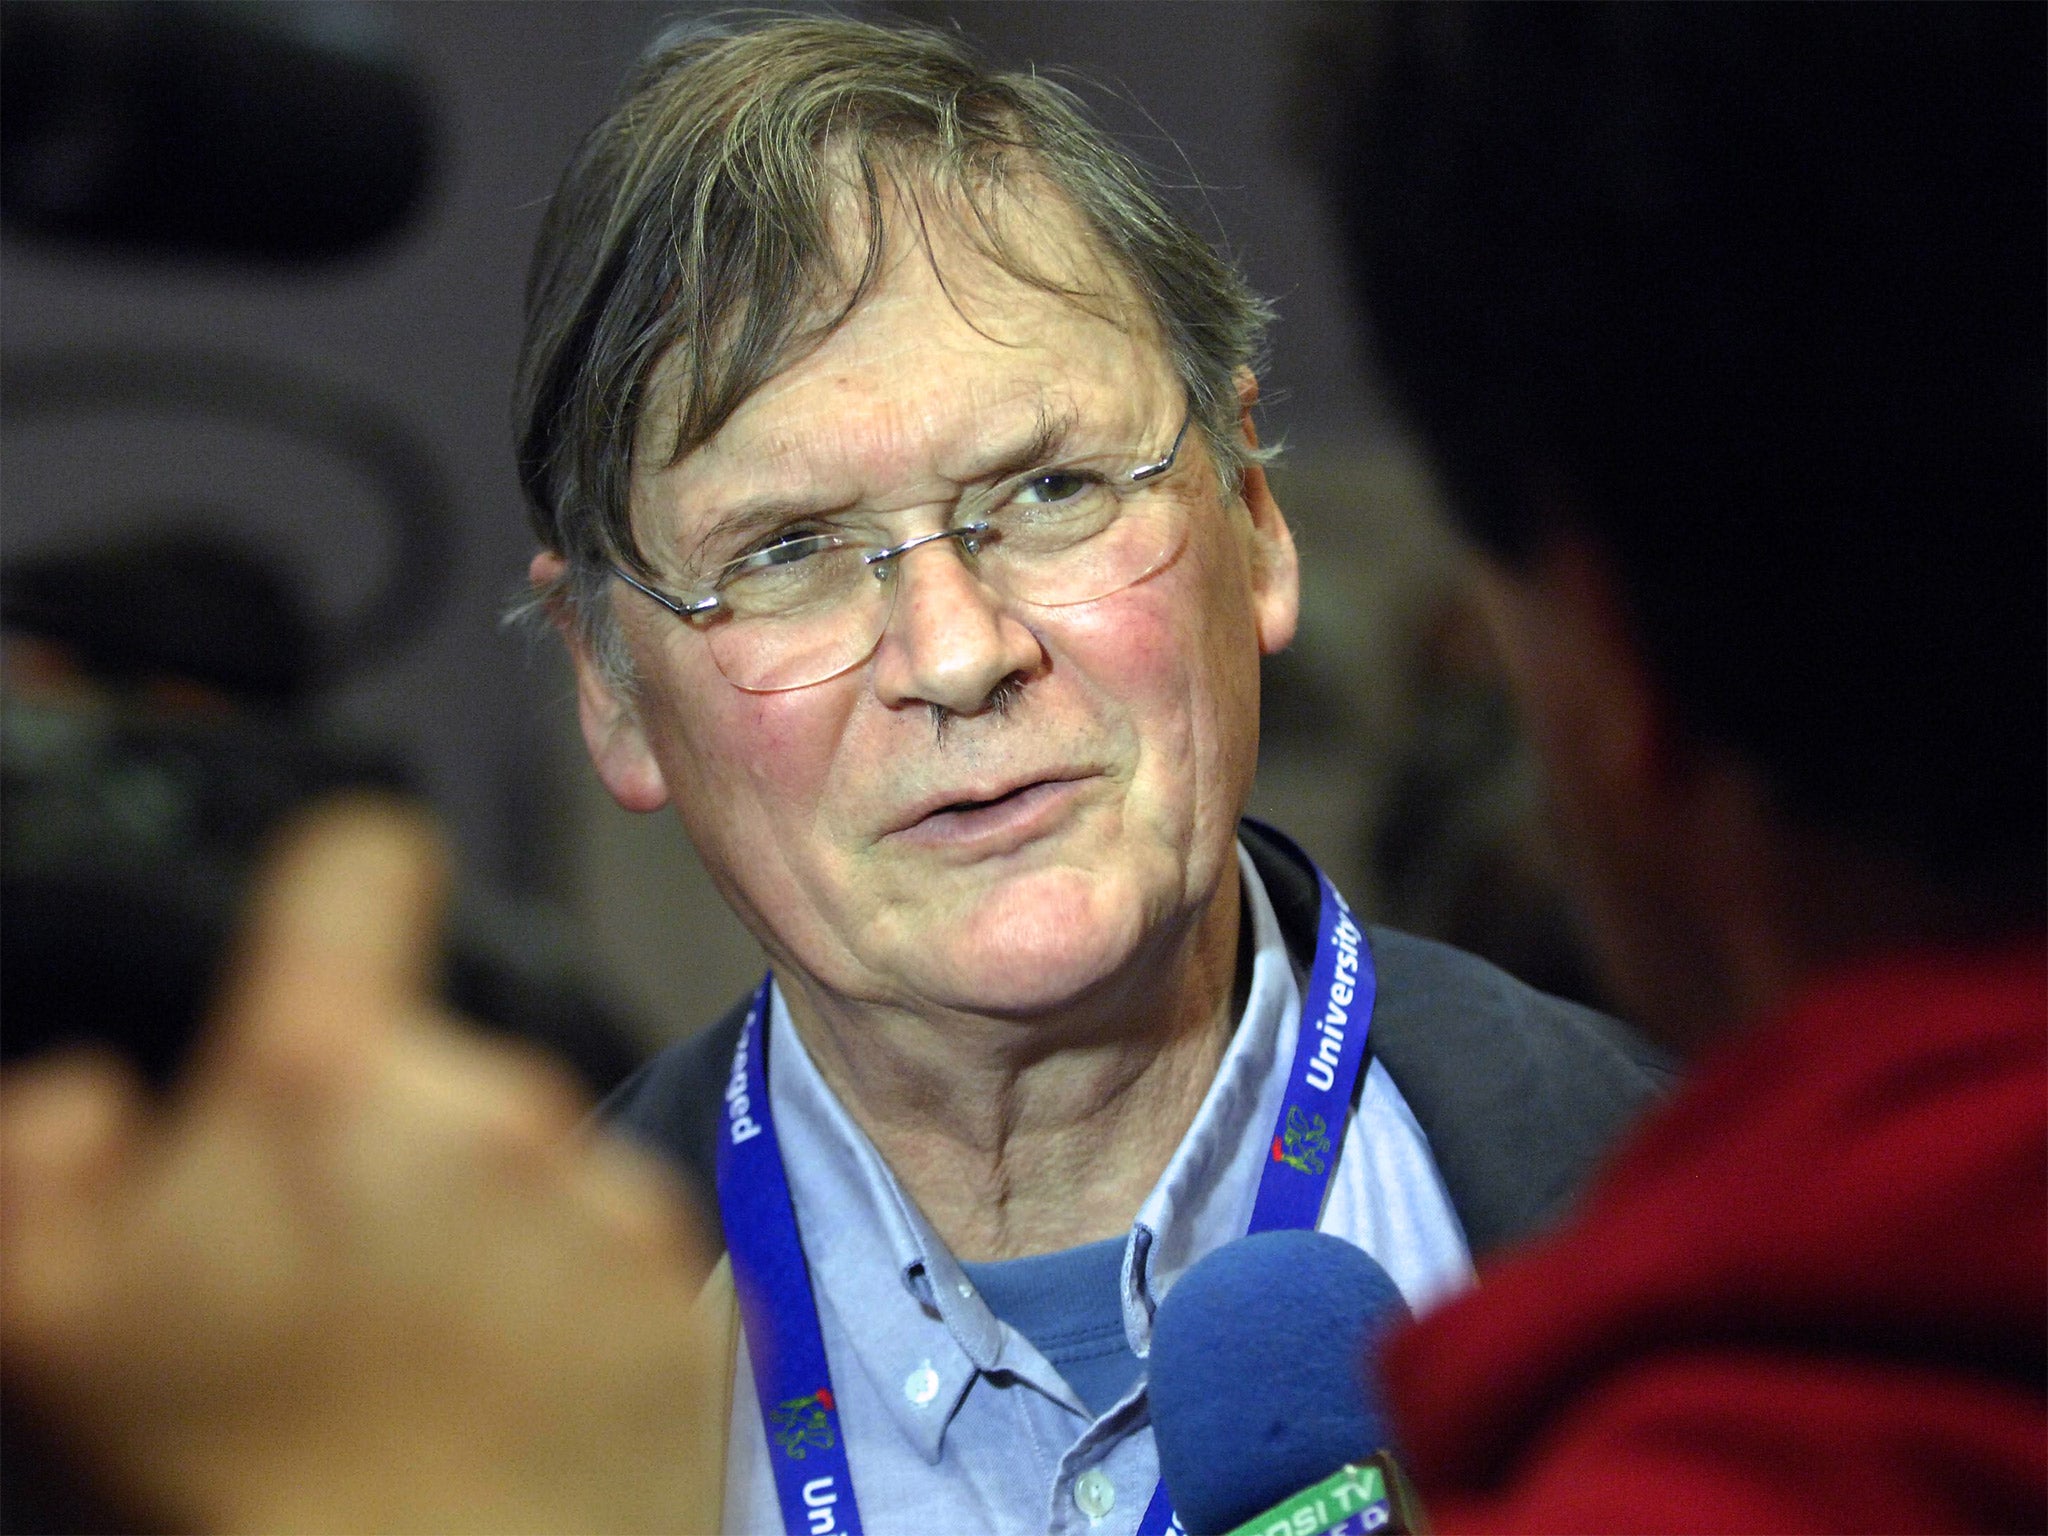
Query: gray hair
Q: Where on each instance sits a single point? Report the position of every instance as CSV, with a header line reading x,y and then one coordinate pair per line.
x,y
692,233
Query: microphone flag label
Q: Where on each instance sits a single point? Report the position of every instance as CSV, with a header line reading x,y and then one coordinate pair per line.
x,y
1352,1501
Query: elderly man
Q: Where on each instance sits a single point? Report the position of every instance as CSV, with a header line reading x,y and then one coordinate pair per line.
x,y
891,445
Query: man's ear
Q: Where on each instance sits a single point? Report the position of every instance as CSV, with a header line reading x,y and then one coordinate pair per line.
x,y
1276,572
612,732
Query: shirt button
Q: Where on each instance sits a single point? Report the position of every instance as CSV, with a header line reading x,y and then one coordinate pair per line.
x,y
921,1385
1095,1493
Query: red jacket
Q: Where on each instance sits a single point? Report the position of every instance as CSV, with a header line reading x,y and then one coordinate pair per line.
x,y
1811,1294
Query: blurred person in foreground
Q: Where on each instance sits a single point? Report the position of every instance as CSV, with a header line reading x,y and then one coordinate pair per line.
x,y
1726,324
159,718
890,439
362,1269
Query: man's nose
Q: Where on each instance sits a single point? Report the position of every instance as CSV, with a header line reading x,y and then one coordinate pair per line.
x,y
952,639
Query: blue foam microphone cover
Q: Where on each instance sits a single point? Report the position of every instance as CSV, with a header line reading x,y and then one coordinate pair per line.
x,y
1260,1376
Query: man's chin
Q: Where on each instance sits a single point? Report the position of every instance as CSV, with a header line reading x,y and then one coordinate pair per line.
x,y
1039,951
1046,988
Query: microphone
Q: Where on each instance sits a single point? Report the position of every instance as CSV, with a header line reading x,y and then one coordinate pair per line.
x,y
1263,1408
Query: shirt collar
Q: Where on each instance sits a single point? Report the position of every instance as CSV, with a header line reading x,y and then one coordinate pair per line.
x,y
908,1308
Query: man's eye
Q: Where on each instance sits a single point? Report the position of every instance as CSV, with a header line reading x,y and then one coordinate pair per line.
x,y
1053,487
781,551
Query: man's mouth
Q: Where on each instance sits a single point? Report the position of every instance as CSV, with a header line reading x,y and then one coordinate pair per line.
x,y
959,806
1011,815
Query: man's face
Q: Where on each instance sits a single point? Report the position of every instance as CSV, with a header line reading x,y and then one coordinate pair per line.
x,y
1017,858
1653,828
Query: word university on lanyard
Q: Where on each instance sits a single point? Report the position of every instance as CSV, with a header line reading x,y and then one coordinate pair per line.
x,y
1329,1054
779,1313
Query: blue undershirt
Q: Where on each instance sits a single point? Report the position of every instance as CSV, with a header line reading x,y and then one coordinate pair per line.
x,y
1070,1305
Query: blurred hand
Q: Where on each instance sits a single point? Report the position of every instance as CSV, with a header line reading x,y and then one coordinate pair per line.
x,y
364,1271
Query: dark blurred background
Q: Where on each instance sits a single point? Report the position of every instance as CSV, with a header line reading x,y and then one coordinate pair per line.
x,y
261,520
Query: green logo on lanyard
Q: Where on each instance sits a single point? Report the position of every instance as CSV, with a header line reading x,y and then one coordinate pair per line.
x,y
1303,1142
803,1424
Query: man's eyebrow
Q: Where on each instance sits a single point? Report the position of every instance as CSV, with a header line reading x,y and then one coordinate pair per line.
x,y
1051,431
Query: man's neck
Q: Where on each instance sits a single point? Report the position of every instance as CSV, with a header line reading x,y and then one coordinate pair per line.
x,y
1017,1137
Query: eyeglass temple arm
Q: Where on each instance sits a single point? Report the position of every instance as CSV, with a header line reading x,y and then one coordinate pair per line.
x,y
681,610
1151,471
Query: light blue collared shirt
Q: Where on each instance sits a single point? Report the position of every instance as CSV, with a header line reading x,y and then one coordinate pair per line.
x,y
953,1420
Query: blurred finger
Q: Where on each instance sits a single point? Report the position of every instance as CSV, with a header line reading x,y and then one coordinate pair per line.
x,y
70,1128
341,937
645,1205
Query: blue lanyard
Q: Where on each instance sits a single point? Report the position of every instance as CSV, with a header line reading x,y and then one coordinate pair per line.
x,y
779,1313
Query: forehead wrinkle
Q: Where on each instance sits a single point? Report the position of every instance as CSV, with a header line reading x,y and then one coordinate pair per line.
x,y
926,445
